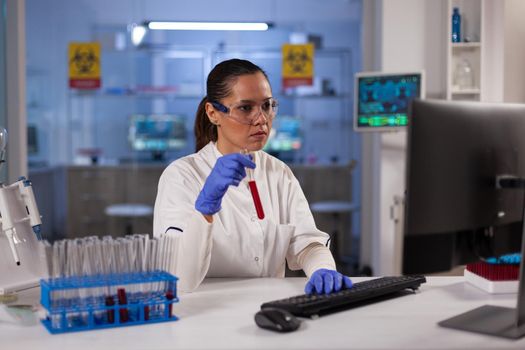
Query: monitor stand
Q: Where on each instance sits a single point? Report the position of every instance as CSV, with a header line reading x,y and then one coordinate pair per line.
x,y
497,320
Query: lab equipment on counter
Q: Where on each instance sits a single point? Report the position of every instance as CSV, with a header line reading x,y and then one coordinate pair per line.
x,y
20,259
104,283
22,196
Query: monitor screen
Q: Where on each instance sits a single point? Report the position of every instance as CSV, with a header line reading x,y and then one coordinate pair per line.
x,y
382,99
157,132
454,210
286,134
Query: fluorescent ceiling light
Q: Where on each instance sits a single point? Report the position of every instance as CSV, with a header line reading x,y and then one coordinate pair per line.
x,y
208,26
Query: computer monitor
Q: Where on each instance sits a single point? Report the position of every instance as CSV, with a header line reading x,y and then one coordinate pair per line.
x,y
456,152
285,138
382,99
157,133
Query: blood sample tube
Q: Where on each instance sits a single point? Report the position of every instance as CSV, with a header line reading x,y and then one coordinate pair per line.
x,y
256,199
170,296
255,192
122,300
111,313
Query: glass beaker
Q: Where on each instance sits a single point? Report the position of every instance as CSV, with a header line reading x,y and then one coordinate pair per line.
x,y
464,75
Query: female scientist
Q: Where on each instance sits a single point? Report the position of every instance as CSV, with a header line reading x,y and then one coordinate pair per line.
x,y
204,198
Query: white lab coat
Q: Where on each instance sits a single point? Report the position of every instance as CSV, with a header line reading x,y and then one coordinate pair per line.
x,y
236,243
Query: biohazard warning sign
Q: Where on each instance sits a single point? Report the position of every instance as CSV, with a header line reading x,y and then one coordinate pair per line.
x,y
298,64
84,65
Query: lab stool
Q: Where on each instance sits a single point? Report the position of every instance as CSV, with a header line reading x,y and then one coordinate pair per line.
x,y
335,208
129,212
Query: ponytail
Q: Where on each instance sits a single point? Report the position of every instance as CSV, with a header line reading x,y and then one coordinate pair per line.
x,y
205,131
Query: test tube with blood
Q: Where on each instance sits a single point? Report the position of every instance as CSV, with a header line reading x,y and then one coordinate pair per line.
x,y
254,191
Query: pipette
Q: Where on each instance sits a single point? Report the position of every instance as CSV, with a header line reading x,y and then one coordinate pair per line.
x,y
253,189
28,196
6,221
7,224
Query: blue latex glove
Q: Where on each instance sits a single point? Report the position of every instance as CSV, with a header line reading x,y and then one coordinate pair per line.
x,y
228,170
326,281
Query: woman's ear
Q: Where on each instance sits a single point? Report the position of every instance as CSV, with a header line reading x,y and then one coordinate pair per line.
x,y
212,114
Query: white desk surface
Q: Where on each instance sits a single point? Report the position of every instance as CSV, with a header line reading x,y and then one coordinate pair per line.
x,y
219,315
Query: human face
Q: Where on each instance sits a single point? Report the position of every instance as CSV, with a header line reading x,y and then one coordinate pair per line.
x,y
232,135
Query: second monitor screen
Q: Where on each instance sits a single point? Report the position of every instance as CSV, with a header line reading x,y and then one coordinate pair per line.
x,y
382,100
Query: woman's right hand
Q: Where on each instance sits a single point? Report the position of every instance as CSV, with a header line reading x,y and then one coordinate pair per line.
x,y
228,170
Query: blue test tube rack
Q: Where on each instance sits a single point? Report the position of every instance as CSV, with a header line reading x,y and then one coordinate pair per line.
x,y
84,303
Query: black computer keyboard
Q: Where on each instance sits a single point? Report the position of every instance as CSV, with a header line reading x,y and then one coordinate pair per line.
x,y
361,292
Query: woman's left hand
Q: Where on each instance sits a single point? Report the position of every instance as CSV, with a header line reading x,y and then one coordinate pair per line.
x,y
327,281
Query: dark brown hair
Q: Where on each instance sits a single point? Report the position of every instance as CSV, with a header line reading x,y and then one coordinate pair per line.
x,y
218,86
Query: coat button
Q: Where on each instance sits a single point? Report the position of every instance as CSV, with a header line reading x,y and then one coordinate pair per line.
x,y
253,219
256,258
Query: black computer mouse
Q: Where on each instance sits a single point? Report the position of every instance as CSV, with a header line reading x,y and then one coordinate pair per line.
x,y
278,320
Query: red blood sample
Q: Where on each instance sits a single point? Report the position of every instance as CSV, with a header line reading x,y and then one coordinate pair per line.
x,y
256,199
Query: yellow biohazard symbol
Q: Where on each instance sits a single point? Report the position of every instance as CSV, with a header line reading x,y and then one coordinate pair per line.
x,y
298,60
84,60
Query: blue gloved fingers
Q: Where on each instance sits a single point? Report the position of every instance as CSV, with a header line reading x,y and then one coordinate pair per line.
x,y
309,288
347,282
317,279
245,160
338,281
328,282
234,172
230,174
232,169
236,160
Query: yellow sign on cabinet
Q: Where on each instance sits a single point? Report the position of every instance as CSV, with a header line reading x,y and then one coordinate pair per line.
x,y
84,65
298,64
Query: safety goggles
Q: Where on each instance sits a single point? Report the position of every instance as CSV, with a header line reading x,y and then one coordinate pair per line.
x,y
248,112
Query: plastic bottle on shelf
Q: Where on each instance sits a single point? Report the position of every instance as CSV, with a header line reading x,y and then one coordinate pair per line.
x,y
456,26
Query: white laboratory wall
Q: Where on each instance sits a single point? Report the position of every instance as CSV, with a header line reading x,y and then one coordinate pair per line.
x,y
503,51
411,39
493,51
514,59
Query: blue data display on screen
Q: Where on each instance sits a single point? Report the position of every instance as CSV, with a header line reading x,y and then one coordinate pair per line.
x,y
383,100
157,132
